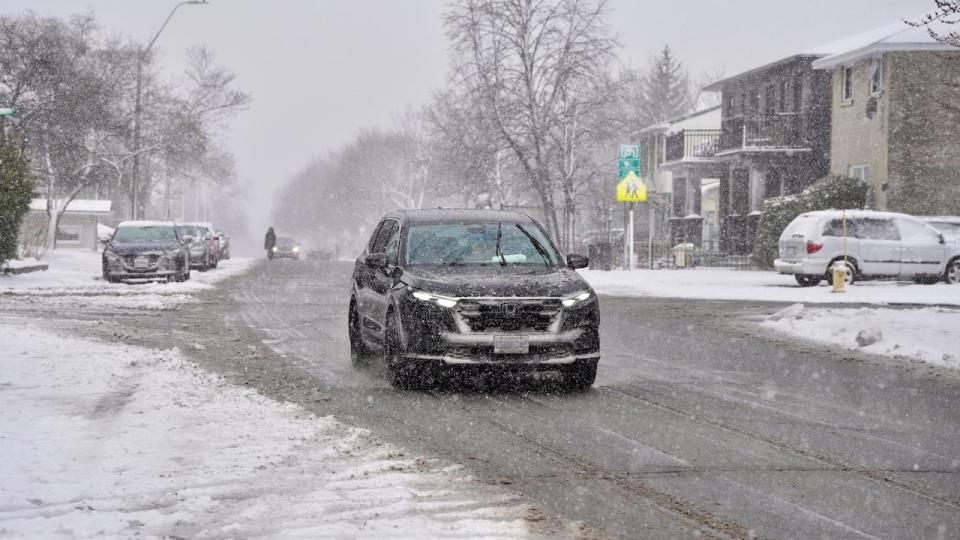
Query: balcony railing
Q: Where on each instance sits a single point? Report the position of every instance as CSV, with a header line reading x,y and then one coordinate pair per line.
x,y
781,130
693,143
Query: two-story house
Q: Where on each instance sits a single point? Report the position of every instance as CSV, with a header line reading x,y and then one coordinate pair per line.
x,y
775,137
896,117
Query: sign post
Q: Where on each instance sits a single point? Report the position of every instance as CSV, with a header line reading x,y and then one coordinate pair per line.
x,y
630,189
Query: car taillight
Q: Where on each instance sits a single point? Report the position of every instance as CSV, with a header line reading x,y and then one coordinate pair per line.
x,y
813,247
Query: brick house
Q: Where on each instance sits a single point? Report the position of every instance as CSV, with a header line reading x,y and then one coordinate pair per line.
x,y
775,138
896,117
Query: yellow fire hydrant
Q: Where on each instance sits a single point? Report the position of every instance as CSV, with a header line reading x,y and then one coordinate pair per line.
x,y
839,269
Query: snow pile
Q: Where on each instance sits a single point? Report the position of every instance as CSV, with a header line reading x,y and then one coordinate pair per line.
x,y
727,284
75,277
927,334
117,441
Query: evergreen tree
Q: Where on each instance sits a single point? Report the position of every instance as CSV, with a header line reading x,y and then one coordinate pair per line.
x,y
664,89
15,193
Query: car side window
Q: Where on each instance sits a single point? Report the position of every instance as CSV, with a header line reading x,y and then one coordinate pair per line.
x,y
392,249
383,235
834,227
917,233
878,229
371,246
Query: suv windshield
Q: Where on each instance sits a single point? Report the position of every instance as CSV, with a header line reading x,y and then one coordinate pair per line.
x,y
160,233
478,244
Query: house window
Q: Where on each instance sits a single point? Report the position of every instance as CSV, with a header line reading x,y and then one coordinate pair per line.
x,y
876,76
69,234
784,93
860,171
847,83
769,100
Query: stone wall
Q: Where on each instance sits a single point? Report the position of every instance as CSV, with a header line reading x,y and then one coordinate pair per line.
x,y
924,135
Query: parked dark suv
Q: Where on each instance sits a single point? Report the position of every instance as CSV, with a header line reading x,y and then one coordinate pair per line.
x,y
446,289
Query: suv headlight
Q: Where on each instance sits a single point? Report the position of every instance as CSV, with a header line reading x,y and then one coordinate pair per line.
x,y
576,299
111,256
444,301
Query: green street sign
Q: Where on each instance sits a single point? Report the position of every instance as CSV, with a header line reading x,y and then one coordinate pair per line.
x,y
8,111
629,160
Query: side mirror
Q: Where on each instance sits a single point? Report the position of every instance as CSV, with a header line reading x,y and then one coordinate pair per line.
x,y
943,240
187,239
105,241
376,260
577,261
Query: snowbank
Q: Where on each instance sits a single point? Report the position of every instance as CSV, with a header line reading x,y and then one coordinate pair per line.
x,y
726,284
78,273
117,441
927,334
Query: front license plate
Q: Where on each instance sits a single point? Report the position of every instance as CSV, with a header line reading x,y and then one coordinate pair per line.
x,y
140,262
791,251
511,344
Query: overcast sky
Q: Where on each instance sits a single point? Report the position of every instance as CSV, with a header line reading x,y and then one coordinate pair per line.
x,y
320,70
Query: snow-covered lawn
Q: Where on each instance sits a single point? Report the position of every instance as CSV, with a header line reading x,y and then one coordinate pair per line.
x,y
928,334
75,276
116,441
726,284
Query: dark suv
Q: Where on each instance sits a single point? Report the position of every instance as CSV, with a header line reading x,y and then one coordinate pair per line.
x,y
439,289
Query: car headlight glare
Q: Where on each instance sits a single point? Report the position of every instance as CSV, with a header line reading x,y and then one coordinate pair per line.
x,y
275,248
436,299
575,299
296,249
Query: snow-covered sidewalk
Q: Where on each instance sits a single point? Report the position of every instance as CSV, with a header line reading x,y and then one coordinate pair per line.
x,y
928,334
726,284
117,441
74,278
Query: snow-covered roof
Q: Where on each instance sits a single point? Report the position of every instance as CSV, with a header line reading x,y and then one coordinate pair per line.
x,y
717,86
145,223
856,214
898,36
77,206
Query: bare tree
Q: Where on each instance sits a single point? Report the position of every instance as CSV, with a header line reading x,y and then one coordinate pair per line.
x,y
519,56
946,12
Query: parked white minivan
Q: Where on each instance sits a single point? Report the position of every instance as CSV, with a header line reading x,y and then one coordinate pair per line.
x,y
879,244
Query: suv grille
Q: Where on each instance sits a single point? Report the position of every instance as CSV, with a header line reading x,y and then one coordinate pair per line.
x,y
151,259
509,314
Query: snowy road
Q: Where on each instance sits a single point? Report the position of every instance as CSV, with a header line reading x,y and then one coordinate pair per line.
x,y
700,419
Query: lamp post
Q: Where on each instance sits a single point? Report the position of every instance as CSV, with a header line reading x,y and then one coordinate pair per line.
x,y
135,179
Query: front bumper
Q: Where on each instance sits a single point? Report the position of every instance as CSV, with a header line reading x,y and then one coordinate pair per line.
x,y
150,274
434,334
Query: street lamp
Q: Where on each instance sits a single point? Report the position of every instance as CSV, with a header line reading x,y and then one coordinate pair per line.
x,y
135,180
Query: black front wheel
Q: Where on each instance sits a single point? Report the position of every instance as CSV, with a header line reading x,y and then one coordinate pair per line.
x,y
952,274
358,349
403,374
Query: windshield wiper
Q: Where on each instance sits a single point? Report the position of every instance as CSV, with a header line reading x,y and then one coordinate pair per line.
x,y
537,245
503,260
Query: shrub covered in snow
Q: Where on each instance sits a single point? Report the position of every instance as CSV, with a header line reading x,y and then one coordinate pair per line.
x,y
15,193
826,193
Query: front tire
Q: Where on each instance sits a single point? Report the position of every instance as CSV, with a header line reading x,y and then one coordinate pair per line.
x,y
403,375
952,274
358,349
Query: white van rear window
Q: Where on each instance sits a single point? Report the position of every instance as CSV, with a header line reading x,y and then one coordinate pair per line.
x,y
804,224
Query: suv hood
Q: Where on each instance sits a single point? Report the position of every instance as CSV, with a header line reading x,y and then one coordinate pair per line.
x,y
135,249
496,280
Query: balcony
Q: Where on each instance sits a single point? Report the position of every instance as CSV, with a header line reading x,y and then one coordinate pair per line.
x,y
768,131
693,144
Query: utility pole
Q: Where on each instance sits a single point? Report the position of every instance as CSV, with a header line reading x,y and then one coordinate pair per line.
x,y
138,109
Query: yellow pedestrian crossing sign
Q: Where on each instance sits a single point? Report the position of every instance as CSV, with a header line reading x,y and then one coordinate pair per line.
x,y
631,189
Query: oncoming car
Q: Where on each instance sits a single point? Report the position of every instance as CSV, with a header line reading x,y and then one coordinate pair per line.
x,y
145,250
286,247
459,289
